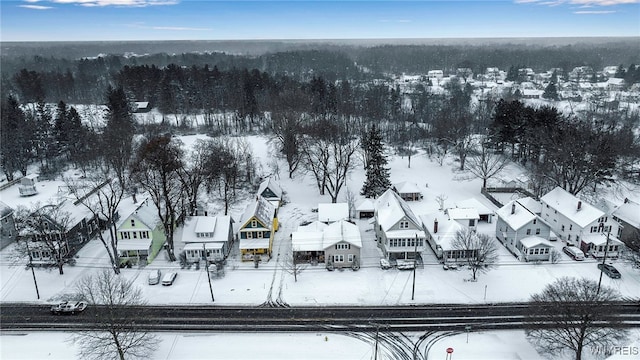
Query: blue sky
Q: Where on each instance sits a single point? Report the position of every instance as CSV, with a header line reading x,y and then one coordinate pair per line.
x,y
90,20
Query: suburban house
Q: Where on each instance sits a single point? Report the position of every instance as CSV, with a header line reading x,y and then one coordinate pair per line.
x,y
440,233
214,235
580,224
523,233
141,107
399,233
338,243
330,212
484,212
365,209
7,225
27,185
531,204
257,227
628,217
140,235
271,191
408,191
467,217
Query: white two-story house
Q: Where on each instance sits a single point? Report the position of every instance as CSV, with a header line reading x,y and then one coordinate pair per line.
x,y
399,232
581,224
523,233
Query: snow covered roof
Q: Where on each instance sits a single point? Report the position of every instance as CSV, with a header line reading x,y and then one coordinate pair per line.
x,y
5,210
262,209
406,187
447,229
600,239
134,244
567,204
531,204
312,227
531,241
215,228
463,213
209,245
262,243
147,214
390,209
475,204
515,214
271,185
366,205
330,212
306,241
629,212
340,231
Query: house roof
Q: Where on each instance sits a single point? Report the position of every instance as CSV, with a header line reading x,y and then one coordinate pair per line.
x,y
447,229
5,210
463,213
629,212
147,214
262,210
340,231
390,209
406,187
475,204
209,245
306,241
531,204
567,204
330,212
366,205
217,226
531,241
599,239
134,244
271,185
520,217
312,227
254,243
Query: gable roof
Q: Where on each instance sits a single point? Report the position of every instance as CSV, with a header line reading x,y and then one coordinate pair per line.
x,y
531,204
262,210
366,205
475,204
629,212
271,185
447,228
147,214
531,241
390,209
331,212
340,231
567,205
520,217
406,187
463,213
217,226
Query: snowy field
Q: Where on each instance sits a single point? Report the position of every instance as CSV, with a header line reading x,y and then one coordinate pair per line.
x,y
242,284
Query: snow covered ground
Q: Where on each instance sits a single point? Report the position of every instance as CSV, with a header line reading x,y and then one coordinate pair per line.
x,y
243,284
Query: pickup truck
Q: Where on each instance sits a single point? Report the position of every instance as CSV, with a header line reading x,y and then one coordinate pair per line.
x,y
69,307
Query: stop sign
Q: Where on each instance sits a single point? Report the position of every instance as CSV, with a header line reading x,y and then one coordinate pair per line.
x,y
449,350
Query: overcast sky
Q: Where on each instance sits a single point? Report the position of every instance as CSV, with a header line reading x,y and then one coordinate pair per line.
x,y
88,20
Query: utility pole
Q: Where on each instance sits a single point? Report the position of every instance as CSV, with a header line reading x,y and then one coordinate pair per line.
x,y
33,273
206,261
415,260
604,259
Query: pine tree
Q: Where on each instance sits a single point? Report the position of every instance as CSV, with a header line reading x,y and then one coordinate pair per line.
x,y
377,173
550,92
118,134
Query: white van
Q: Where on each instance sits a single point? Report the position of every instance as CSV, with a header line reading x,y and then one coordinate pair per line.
x,y
574,252
168,278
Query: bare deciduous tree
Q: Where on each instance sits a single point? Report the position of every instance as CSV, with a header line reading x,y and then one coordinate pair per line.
x,y
570,315
480,251
117,336
485,164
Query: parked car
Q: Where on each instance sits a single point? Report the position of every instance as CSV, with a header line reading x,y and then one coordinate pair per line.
x,y
574,252
154,276
385,264
406,265
69,307
169,278
610,270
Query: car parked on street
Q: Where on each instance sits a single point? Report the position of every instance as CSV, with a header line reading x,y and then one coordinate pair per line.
x,y
169,278
574,253
610,270
154,277
69,307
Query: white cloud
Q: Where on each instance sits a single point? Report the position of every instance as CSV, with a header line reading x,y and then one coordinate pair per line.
x,y
594,12
579,2
119,3
35,7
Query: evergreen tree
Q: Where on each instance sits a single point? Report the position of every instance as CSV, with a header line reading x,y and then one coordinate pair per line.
x,y
620,72
15,138
550,92
377,173
118,134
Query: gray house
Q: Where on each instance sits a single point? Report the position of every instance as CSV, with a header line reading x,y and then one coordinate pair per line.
x,y
7,225
523,233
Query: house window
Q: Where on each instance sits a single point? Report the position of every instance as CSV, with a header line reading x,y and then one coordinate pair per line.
x,y
546,251
125,234
135,234
538,231
254,223
338,258
602,219
144,234
570,227
343,246
249,234
472,222
259,235
133,222
594,229
528,231
535,221
562,229
350,257
404,224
